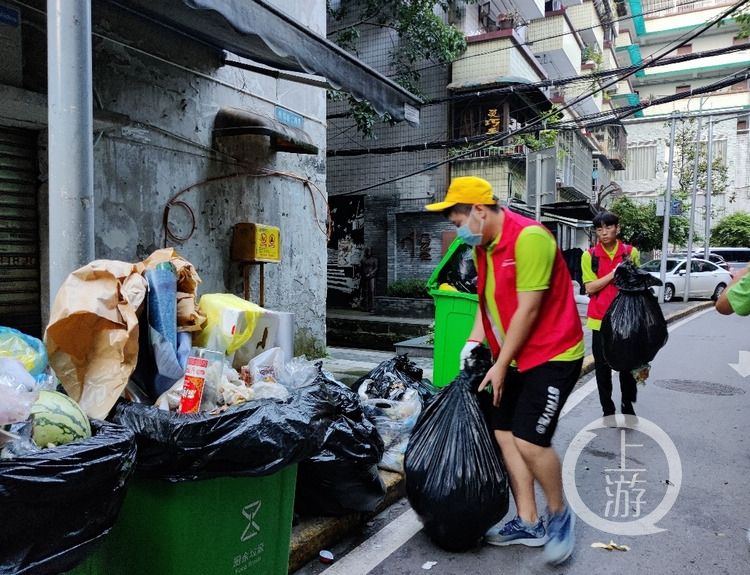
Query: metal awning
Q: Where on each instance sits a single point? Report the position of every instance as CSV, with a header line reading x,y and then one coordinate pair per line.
x,y
256,30
236,122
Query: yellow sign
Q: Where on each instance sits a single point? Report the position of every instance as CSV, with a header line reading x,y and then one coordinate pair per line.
x,y
492,122
256,243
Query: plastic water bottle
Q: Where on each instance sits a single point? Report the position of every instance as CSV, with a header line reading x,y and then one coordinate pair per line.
x,y
162,301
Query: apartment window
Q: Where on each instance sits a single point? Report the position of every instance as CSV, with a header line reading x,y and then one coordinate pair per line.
x,y
682,88
686,49
742,126
641,163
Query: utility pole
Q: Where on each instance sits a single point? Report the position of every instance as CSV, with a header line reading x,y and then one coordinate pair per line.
x,y
667,211
693,196
538,206
709,184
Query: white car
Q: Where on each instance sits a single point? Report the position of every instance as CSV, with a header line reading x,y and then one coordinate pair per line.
x,y
706,278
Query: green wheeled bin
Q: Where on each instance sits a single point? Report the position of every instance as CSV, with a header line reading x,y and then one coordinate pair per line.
x,y
454,317
221,526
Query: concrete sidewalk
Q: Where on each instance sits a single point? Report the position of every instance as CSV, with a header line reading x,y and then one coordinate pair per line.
x,y
311,535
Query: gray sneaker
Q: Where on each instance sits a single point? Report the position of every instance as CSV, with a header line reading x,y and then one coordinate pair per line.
x,y
561,529
518,532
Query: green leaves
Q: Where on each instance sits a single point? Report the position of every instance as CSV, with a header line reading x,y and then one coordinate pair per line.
x,y
641,226
732,231
420,35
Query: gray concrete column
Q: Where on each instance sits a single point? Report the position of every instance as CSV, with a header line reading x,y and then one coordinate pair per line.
x,y
71,152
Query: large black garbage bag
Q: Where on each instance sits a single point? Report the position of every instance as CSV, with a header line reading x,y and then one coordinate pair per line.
x,y
391,378
633,329
461,272
257,438
57,503
343,478
455,479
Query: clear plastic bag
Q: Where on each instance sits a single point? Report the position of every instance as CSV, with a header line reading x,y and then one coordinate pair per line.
x,y
18,391
394,420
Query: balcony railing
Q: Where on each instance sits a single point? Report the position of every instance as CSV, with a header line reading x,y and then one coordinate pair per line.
x,y
510,151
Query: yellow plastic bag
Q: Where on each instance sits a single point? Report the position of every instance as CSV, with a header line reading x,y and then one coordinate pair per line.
x,y
30,351
230,322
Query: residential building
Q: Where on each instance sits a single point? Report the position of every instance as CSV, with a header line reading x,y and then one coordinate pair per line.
x,y
650,27
490,89
205,116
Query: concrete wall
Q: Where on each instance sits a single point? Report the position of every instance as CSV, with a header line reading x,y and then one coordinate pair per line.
x,y
170,88
657,132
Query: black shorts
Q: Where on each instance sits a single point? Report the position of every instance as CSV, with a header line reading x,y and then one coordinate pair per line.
x,y
531,401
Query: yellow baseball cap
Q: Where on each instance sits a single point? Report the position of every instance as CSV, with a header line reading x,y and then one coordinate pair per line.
x,y
465,190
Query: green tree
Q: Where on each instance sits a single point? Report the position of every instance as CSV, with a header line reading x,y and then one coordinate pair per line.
x,y
641,226
422,35
732,231
685,158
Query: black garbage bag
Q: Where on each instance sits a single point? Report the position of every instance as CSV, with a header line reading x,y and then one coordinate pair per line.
x,y
57,503
455,479
254,439
461,272
391,378
633,329
343,478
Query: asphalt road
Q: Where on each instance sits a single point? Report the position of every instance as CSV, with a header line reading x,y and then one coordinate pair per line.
x,y
690,449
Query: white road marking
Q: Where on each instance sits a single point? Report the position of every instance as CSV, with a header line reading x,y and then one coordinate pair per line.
x,y
378,547
372,552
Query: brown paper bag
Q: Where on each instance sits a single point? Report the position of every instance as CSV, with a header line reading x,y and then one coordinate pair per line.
x,y
189,317
92,336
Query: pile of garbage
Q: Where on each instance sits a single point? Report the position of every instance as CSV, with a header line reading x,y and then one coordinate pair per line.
x,y
139,377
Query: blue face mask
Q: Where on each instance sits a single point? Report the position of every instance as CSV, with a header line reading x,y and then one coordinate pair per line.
x,y
469,237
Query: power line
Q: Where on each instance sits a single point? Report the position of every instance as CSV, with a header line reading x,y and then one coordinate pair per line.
x,y
601,118
544,84
542,119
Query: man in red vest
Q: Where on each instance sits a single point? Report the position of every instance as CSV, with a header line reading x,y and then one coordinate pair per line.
x,y
528,317
598,266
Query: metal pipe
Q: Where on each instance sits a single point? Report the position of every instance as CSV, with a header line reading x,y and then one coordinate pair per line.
x,y
667,210
709,185
693,196
538,186
71,150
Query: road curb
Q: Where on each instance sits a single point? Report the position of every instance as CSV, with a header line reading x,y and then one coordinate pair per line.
x,y
311,535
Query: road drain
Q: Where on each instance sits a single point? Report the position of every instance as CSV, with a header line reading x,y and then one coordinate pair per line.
x,y
700,387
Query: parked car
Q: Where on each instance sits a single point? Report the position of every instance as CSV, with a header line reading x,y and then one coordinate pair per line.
x,y
706,278
737,258
712,257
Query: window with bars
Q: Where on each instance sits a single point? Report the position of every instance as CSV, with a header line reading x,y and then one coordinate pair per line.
x,y
641,162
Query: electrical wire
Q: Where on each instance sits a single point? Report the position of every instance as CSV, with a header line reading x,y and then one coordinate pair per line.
x,y
535,86
688,36
175,201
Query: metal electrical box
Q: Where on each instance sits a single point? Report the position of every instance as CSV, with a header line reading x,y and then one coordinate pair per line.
x,y
256,243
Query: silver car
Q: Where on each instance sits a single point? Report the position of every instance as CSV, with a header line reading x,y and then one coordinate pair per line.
x,y
706,278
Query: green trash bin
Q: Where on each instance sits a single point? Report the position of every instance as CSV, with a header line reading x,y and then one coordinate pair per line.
x,y
221,526
454,317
